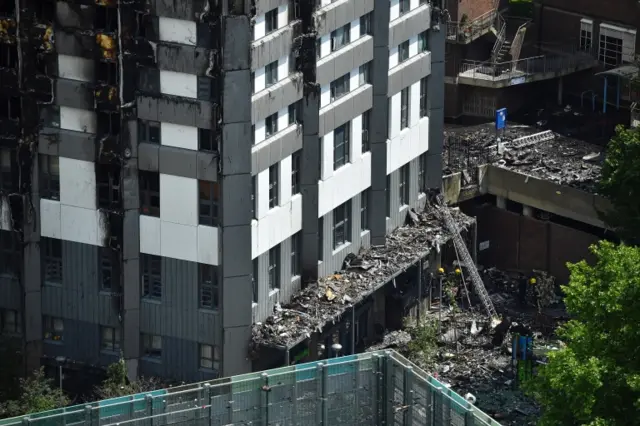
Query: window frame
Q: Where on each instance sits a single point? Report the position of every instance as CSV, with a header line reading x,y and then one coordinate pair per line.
x,y
255,275
366,131
274,268
296,162
364,210
340,37
342,225
423,42
111,186
405,103
114,345
422,174
424,100
274,181
296,247
403,52
145,128
205,141
605,50
11,327
209,198
52,261
209,362
341,145
212,287
271,125
403,185
404,6
365,24
271,74
364,74
150,349
151,270
49,181
340,87
105,264
271,21
148,191
53,329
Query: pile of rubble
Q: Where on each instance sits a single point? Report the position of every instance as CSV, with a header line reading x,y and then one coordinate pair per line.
x,y
563,160
325,301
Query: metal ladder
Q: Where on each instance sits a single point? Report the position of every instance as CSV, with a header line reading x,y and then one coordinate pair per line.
x,y
529,140
478,285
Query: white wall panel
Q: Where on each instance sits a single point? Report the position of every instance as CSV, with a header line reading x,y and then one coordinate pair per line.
x,y
414,104
82,225
283,68
179,241
325,95
177,31
76,68
275,227
356,138
355,30
178,200
259,80
262,192
77,183
179,136
178,84
150,231
408,145
285,181
413,46
259,27
50,222
79,120
394,115
327,156
325,45
346,182
208,245
393,57
395,10
413,4
283,16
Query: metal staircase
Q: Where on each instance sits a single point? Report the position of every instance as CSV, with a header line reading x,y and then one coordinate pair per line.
x,y
518,40
466,260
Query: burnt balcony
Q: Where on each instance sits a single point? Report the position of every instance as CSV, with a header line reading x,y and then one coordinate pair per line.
x,y
106,97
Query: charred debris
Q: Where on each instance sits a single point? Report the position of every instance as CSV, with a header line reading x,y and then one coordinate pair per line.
x,y
325,302
559,159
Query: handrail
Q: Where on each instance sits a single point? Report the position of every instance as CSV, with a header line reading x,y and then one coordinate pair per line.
x,y
501,27
518,40
462,31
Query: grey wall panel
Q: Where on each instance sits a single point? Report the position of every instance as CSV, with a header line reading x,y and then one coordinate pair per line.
x,y
67,143
187,112
408,73
181,58
74,94
81,343
74,44
149,157
435,98
10,293
271,47
273,99
339,14
282,145
180,361
344,60
345,110
405,27
178,9
178,314
178,161
263,6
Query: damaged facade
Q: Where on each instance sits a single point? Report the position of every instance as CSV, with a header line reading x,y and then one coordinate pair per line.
x,y
173,170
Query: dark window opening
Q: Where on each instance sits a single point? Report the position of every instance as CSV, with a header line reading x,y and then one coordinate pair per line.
x,y
424,108
11,322
271,125
423,42
107,73
45,10
365,24
273,186
149,193
151,268
320,239
8,55
209,357
44,64
388,195
49,177
108,183
404,185
108,278
151,346
422,173
296,247
404,6
366,130
10,254
364,210
53,328
341,145
6,172
209,291
110,339
271,74
208,200
254,280
404,108
108,123
205,141
7,8
295,173
365,74
271,21
340,87
341,224
10,108
294,111
274,268
106,19
148,131
253,197
403,52
141,25
52,260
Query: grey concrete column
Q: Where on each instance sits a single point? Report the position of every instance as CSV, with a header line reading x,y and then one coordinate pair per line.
x,y
501,202
311,161
235,185
32,279
379,122
131,253
435,99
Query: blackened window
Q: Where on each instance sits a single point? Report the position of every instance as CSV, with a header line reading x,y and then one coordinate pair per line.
x,y
49,177
10,108
52,256
273,186
253,82
364,210
404,108
205,141
11,322
151,268
365,24
423,42
422,173
205,86
295,172
340,37
10,254
148,131
366,131
149,193
341,224
208,201
403,51
404,6
271,74
340,87
108,185
254,279
108,279
151,346
404,185
274,268
53,328
108,123
424,111
106,19
6,175
320,238
271,125
341,145
208,292
107,73
8,55
296,246
271,20
365,73
110,339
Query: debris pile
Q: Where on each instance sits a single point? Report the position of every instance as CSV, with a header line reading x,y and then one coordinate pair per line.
x,y
323,302
563,160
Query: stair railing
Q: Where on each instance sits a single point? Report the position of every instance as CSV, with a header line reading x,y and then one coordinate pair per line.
x,y
501,28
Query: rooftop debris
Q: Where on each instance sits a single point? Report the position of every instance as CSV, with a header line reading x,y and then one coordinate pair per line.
x,y
323,302
563,160
471,359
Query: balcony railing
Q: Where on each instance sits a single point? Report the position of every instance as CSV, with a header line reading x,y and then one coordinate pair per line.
x,y
465,32
556,60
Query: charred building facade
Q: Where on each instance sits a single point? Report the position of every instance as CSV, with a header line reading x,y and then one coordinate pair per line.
x,y
171,170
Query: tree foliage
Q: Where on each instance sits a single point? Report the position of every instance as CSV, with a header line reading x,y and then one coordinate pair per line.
x,y
37,393
620,182
117,384
595,379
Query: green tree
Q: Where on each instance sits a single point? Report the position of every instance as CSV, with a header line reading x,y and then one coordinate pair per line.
x,y
37,393
595,379
117,384
620,183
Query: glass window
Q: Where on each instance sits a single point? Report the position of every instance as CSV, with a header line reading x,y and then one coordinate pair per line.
x,y
254,278
320,239
404,6
422,173
403,52
364,210
148,131
271,125
404,108
108,186
10,254
52,260
205,141
6,175
296,246
271,73
49,177
341,224
366,131
151,346
108,279
340,87
209,357
271,20
208,201
11,322
149,193
340,37
341,146
110,339
53,329
424,108
365,24
209,292
274,268
404,185
365,74
273,186
151,268
295,173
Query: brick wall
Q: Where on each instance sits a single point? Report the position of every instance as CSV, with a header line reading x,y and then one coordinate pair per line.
x,y
473,8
